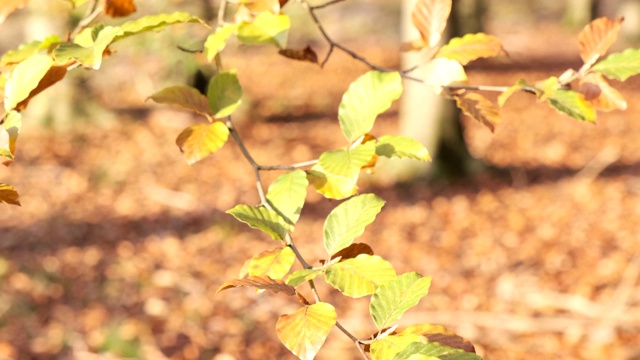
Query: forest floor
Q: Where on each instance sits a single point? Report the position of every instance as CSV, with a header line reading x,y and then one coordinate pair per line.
x,y
120,246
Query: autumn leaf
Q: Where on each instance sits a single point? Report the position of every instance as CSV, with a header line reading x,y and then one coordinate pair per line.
x,y
430,18
479,108
258,282
305,331
306,54
119,8
443,72
607,98
272,263
184,96
9,195
596,38
199,141
471,47
53,75
9,6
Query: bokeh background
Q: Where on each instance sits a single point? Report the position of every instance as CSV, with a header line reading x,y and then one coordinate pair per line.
x,y
119,246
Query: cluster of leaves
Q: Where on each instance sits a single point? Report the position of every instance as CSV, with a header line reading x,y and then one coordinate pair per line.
x,y
352,268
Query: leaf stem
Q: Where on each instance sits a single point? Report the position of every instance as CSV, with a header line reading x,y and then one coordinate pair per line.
x,y
92,14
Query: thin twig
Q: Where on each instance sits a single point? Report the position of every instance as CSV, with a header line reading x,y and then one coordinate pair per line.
x,y
92,14
316,7
247,155
289,167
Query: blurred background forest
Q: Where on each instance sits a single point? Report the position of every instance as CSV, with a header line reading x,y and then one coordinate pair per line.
x,y
119,245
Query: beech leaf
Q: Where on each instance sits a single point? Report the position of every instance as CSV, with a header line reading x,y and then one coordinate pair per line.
x,y
300,276
224,94
119,8
184,96
360,276
305,331
393,298
199,141
9,195
259,282
443,72
287,195
274,264
9,132
155,22
24,78
26,50
434,351
573,104
471,47
597,37
439,334
306,54
217,41
261,218
430,18
388,346
402,147
619,66
606,97
266,28
479,108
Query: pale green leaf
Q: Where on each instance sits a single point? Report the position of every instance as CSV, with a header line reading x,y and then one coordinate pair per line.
x,y
184,96
300,276
224,94
272,263
217,41
395,297
434,350
348,220
360,276
387,347
287,195
9,195
267,28
155,22
619,66
402,147
261,218
573,104
305,331
367,97
24,78
199,141
336,174
89,56
27,50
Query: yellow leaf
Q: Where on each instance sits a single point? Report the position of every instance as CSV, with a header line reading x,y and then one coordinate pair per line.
x,y
272,263
442,72
546,88
119,8
596,38
471,47
602,95
198,141
479,108
430,18
9,195
305,331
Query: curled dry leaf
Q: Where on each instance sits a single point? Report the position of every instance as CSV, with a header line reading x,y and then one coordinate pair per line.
x,y
119,8
596,38
430,18
53,75
306,54
259,282
479,108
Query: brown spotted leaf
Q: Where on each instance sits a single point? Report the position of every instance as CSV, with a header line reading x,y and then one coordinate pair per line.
x,y
605,98
119,8
596,38
258,282
479,108
306,54
430,18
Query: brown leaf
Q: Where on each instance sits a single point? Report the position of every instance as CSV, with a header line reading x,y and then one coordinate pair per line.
x,y
596,38
306,54
258,282
352,251
283,2
55,74
9,195
119,8
479,108
430,17
9,6
605,98
439,334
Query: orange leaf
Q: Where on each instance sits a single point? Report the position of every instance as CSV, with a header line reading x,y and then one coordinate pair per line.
x,y
352,251
9,6
306,54
602,95
471,47
55,74
199,141
259,282
479,108
9,195
119,8
596,38
430,17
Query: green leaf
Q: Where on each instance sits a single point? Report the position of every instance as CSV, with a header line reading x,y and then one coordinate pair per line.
x,y
9,134
395,297
267,28
619,66
27,50
348,220
402,147
573,104
336,174
300,276
155,22
216,42
272,263
287,195
9,195
367,97
199,141
388,346
261,218
184,96
436,351
305,331
89,56
24,78
224,94
360,276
